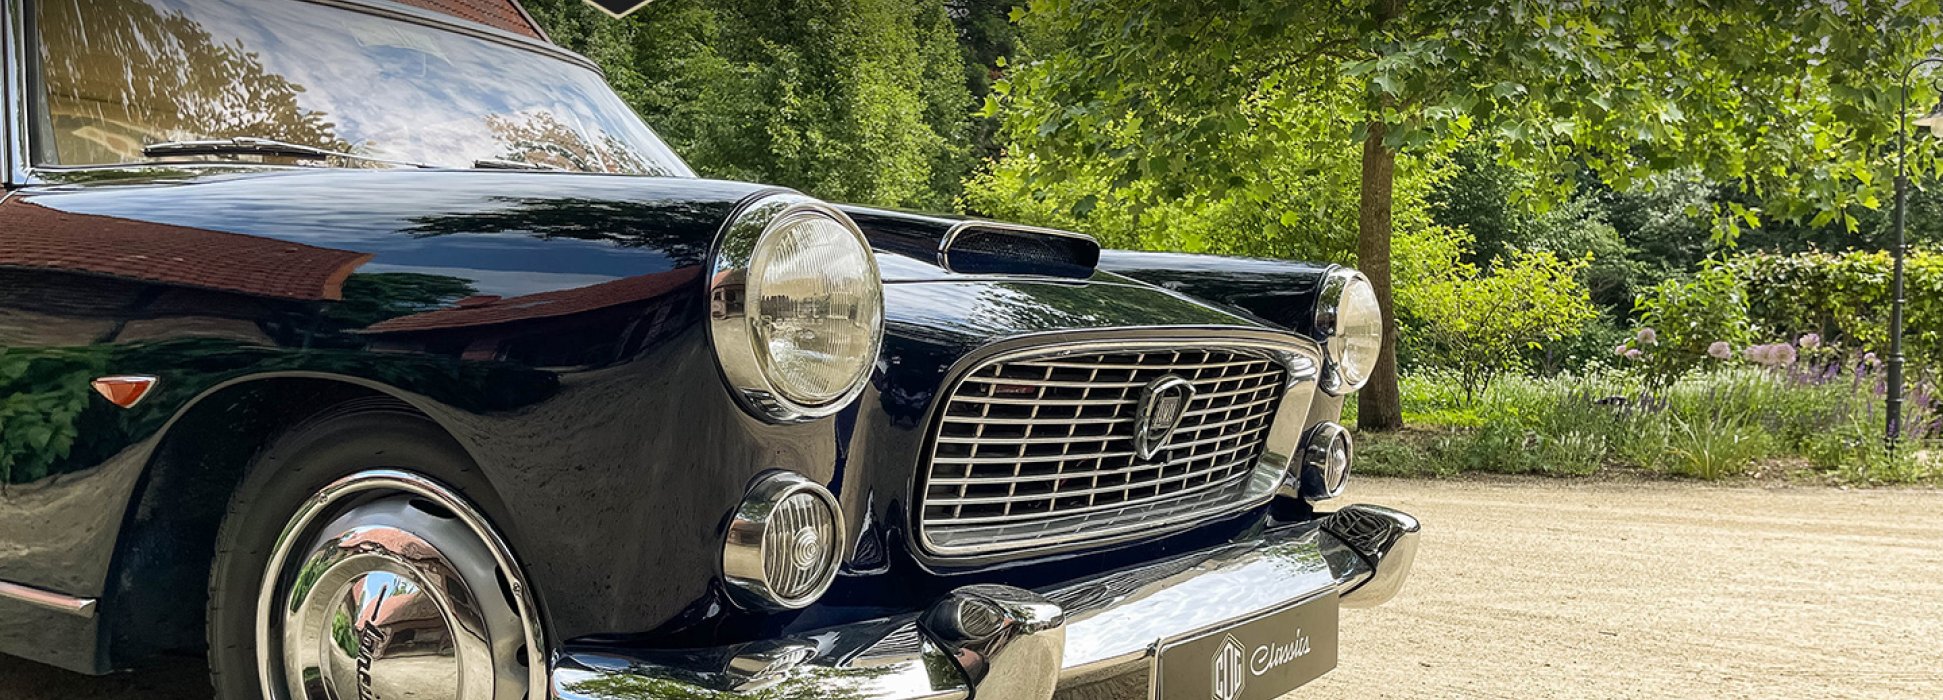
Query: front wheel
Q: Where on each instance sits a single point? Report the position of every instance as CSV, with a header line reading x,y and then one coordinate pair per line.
x,y
346,571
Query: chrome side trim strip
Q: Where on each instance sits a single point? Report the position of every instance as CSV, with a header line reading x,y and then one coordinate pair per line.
x,y
78,607
13,94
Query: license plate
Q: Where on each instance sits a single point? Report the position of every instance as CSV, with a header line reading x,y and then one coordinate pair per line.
x,y
1258,658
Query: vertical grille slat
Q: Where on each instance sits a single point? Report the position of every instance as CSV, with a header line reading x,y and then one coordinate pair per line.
x,y
1042,448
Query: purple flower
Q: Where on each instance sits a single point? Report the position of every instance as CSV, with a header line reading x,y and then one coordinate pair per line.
x,y
1870,359
1784,354
1811,341
1619,350
1647,336
1720,350
1633,354
1759,354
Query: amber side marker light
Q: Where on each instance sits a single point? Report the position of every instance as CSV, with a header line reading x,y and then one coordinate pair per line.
x,y
123,391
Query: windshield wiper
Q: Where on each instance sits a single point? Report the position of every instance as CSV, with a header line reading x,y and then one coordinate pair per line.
x,y
246,145
498,164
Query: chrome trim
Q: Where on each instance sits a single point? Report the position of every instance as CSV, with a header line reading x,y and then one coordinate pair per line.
x,y
392,480
1009,642
958,229
14,156
1312,479
744,561
1386,539
49,600
735,350
1297,356
1329,298
1111,626
453,23
19,168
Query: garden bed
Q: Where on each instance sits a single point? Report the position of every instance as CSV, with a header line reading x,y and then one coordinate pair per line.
x,y
1733,423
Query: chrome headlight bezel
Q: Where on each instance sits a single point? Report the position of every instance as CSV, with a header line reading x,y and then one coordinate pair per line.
x,y
1328,451
743,363
746,544
1339,378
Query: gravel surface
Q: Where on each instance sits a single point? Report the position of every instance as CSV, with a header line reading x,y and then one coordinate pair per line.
x,y
1564,589
1573,589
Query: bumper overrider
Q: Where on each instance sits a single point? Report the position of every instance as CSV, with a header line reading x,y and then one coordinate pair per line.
x,y
1098,637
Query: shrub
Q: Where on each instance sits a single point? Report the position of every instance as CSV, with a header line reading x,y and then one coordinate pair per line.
x,y
1845,298
1682,320
1478,324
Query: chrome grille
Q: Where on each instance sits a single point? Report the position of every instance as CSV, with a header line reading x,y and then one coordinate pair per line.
x,y
1041,449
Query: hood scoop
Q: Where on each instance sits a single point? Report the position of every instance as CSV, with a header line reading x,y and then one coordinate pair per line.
x,y
990,248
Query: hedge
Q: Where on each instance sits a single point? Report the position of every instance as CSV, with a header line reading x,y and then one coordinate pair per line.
x,y
1845,297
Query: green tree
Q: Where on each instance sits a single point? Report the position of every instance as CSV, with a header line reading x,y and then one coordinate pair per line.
x,y
853,100
1784,101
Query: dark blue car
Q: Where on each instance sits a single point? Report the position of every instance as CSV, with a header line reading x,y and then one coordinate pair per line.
x,y
378,350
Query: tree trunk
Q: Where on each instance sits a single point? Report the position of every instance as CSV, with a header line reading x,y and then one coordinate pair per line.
x,y
1379,406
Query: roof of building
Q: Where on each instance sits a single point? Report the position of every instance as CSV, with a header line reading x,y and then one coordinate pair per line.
x,y
505,15
39,238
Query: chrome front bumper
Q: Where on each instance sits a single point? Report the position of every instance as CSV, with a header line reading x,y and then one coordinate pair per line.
x,y
993,641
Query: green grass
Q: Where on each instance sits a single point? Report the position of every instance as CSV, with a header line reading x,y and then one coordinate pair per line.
x,y
1708,426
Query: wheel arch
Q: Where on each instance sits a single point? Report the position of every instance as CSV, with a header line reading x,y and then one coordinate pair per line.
x,y
153,601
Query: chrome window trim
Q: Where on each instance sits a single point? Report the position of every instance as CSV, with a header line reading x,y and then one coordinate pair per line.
x,y
13,89
17,158
1300,357
414,15
958,229
728,328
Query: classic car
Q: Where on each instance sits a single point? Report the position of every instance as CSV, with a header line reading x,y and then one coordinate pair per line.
x,y
373,349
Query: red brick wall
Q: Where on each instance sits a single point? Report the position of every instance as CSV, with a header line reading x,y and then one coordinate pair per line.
x,y
498,14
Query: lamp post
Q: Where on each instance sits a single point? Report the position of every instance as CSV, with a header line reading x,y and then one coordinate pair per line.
x,y
1893,426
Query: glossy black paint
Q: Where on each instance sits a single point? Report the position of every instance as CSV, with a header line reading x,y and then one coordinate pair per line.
x,y
551,322
1280,292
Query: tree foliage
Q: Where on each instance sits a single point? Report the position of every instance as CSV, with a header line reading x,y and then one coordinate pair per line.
x,y
1480,324
1790,101
1785,102
853,100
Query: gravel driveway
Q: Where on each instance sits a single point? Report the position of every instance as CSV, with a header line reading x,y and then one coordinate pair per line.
x,y
1570,589
1560,589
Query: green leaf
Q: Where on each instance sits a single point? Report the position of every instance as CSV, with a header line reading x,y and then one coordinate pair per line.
x,y
1085,206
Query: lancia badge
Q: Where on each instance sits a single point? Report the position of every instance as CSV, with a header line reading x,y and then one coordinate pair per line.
x,y
1162,404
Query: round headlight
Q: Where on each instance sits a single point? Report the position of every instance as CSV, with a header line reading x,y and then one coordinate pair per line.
x,y
784,543
1351,322
797,308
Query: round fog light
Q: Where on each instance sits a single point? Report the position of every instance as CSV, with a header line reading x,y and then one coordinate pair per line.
x,y
1325,461
784,543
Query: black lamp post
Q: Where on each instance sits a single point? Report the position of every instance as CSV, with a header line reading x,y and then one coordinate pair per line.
x,y
1893,426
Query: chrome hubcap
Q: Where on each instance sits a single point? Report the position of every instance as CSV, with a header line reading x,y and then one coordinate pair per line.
x,y
392,597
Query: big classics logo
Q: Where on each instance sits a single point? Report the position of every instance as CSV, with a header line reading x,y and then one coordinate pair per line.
x,y
1234,663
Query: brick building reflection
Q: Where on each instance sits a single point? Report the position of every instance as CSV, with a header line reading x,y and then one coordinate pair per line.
x,y
70,279
586,326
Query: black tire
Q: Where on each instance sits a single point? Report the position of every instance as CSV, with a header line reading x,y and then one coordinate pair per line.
x,y
343,440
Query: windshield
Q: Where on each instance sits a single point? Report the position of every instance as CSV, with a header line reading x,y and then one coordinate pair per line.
x,y
118,75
